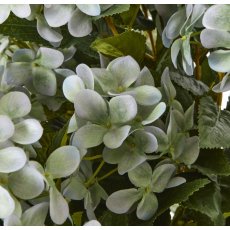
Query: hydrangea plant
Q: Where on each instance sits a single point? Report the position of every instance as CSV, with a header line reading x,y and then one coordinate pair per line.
x,y
112,114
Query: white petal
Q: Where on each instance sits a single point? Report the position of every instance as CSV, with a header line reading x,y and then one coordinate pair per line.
x,y
4,13
6,128
90,9
86,74
21,10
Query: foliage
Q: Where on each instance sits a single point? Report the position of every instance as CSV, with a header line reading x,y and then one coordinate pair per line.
x,y
111,114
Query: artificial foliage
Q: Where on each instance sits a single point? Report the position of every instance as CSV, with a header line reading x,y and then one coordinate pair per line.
x,y
111,114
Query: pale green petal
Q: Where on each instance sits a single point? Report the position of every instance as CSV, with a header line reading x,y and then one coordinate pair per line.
x,y
12,159
23,55
113,156
26,183
80,24
72,124
145,78
90,105
21,10
59,209
90,135
125,69
63,161
122,109
86,74
71,86
6,128
155,114
147,206
175,181
115,137
90,9
6,203
175,49
27,132
121,201
15,104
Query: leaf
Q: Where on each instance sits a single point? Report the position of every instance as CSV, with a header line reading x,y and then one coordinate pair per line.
x,y
114,9
217,163
191,84
63,161
109,218
6,128
213,125
208,201
178,194
127,43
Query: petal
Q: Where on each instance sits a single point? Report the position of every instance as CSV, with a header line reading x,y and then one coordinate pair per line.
x,y
113,156
92,223
175,181
141,176
12,159
86,74
89,105
18,73
224,85
217,17
146,95
21,10
15,104
115,137
27,132
71,86
145,78
121,201
63,161
80,24
36,215
59,209
58,14
6,203
121,70
161,177
6,128
26,183
90,135
219,60
175,49
90,9
4,13
155,114
49,58
147,207
72,124
23,55
46,32
44,81
122,109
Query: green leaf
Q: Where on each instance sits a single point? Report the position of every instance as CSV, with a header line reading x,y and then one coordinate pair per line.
x,y
127,43
208,201
178,194
217,163
109,218
213,125
114,9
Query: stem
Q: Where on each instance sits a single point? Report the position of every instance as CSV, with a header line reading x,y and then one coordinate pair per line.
x,y
197,61
111,25
107,174
195,34
219,95
91,179
92,158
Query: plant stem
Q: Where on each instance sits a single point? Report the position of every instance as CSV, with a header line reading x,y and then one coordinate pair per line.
x,y
92,158
107,174
219,95
111,25
195,34
91,179
197,61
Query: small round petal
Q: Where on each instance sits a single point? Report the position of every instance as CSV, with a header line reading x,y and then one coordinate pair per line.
x,y
80,24
4,12
122,109
44,81
113,156
90,135
90,105
23,55
125,69
145,78
121,201
92,223
147,206
49,58
6,128
27,132
21,10
59,209
86,74
155,114
26,183
12,159
115,137
58,14
176,181
63,161
6,203
15,105
71,86
90,9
